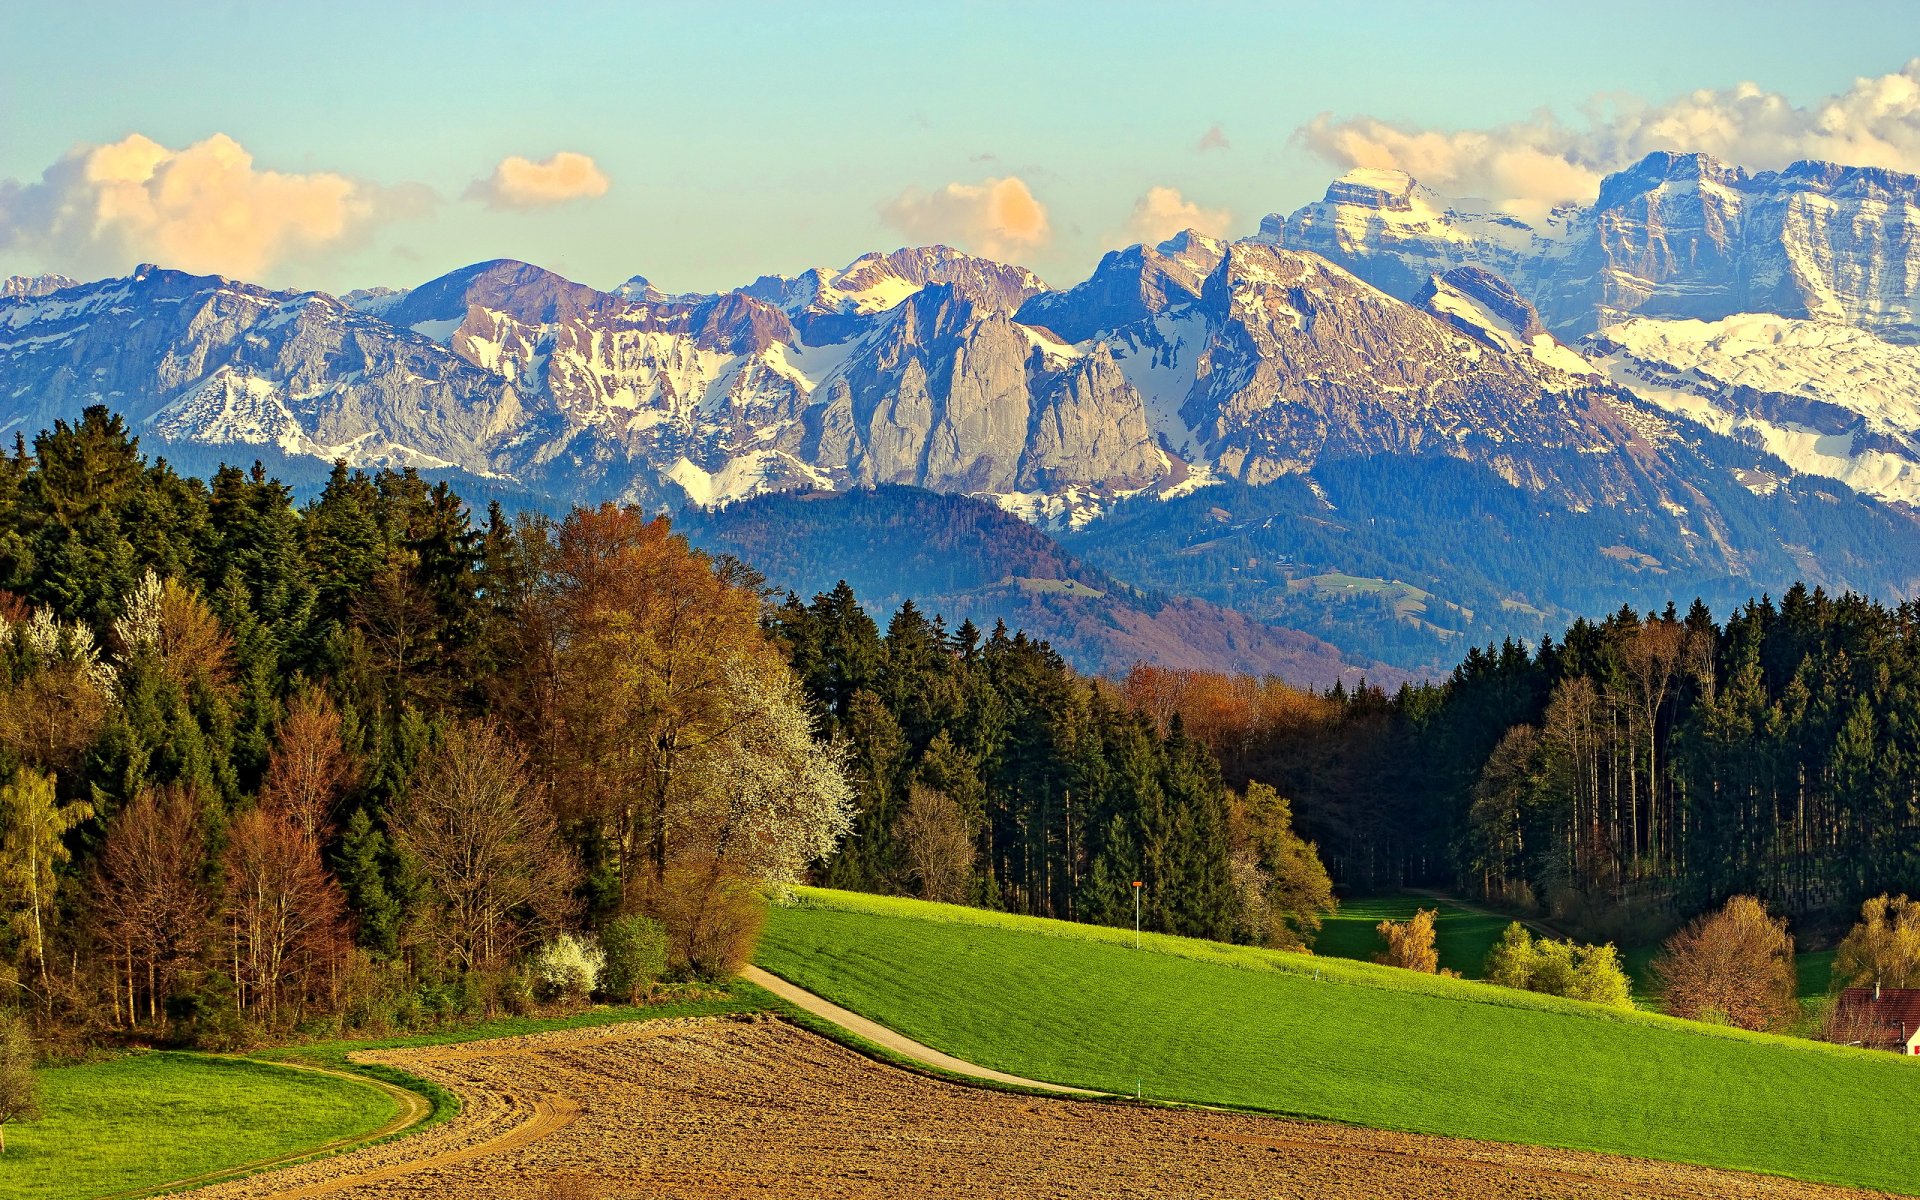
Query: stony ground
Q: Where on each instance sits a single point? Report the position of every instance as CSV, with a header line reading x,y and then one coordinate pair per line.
x,y
756,1108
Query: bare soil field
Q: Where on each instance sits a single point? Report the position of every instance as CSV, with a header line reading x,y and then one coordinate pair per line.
x,y
756,1108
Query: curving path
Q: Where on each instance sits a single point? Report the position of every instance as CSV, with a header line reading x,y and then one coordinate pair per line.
x,y
899,1043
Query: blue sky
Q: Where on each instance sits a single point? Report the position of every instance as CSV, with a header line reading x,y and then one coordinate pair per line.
x,y
736,138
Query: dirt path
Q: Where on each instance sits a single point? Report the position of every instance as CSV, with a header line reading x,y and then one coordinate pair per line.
x,y
899,1043
756,1109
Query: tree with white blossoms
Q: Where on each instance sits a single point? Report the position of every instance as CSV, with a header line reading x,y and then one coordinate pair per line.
x,y
770,797
761,799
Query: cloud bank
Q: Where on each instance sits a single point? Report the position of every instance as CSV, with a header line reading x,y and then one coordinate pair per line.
x,y
520,183
205,208
1163,212
996,217
1528,166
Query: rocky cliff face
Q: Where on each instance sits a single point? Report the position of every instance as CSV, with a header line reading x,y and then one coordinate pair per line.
x,y
1676,236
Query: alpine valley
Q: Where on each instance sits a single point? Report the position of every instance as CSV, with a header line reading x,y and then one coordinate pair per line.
x,y
1398,422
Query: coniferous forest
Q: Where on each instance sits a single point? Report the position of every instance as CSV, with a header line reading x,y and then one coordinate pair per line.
x,y
373,761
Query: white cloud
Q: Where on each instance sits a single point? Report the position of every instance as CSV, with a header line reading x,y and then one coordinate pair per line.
x,y
996,217
1163,212
205,208
1528,166
521,183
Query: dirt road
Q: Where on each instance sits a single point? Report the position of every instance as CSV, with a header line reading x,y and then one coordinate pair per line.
x,y
880,1035
756,1109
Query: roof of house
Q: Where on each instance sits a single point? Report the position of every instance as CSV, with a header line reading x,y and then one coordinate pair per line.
x,y
1895,1011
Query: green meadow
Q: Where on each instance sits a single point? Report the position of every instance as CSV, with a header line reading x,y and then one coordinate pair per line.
x,y
1320,1036
142,1120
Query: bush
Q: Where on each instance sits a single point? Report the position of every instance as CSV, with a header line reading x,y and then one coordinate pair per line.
x,y
635,948
1552,968
712,916
1734,965
1410,943
567,968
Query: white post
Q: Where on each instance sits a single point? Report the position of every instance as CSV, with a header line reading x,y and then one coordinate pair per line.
x,y
1136,914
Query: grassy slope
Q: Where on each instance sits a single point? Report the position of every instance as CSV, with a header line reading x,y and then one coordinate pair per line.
x,y
144,1120
1463,938
1348,1041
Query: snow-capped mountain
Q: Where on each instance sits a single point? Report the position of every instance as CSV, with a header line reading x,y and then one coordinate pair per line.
x,y
1382,339
1674,236
1825,399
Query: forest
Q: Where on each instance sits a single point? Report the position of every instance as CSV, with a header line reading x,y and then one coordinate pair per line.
x,y
372,762
1634,772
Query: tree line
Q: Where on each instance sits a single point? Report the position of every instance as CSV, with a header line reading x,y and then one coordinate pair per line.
x,y
1636,771
366,760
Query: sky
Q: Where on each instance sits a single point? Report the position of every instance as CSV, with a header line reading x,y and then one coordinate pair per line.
x,y
350,144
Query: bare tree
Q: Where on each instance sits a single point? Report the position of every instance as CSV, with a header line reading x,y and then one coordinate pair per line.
x,y
486,847
286,917
1733,965
148,900
933,835
309,768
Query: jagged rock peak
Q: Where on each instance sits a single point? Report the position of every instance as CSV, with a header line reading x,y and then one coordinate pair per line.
x,y
1486,289
29,287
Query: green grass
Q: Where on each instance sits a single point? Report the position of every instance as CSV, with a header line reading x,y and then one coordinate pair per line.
x,y
1463,938
1349,1041
142,1120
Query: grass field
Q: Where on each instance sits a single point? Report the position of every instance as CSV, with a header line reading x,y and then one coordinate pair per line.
x,y
144,1120
1462,938
1322,1037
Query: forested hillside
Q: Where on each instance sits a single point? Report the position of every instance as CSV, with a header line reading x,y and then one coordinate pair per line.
x,y
972,561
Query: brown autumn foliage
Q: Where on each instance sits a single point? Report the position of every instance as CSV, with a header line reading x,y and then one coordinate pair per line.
x,y
50,718
309,768
1231,715
190,639
286,917
643,632
713,915
1734,965
1410,943
147,899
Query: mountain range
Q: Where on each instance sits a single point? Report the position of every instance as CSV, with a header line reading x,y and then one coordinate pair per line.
x,y
1395,420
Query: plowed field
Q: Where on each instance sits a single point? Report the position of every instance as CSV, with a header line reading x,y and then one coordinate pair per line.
x,y
713,1108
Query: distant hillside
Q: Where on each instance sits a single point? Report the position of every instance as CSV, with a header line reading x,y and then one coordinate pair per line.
x,y
964,558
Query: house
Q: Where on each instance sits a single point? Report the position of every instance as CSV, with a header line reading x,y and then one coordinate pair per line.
x,y
1880,1018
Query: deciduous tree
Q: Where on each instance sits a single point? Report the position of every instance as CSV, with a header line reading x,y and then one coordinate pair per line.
x,y
1733,965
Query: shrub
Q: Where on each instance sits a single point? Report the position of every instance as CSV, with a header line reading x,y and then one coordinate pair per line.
x,y
1410,943
1590,973
19,1088
567,968
635,948
712,916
